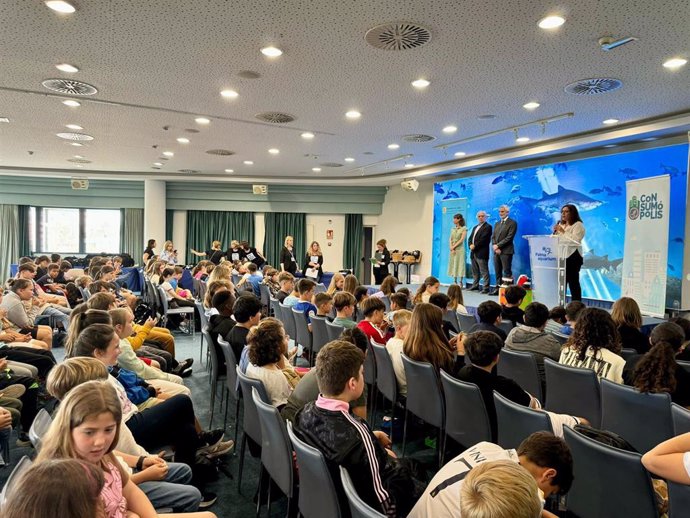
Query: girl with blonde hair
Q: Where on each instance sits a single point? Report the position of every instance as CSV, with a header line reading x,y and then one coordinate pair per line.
x,y
337,283
350,284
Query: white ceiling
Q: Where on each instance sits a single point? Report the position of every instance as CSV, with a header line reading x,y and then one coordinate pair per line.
x,y
168,60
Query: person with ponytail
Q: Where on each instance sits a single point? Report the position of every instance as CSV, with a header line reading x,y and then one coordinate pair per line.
x,y
658,371
426,290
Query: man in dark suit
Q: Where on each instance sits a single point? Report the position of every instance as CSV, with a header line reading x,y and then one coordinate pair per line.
x,y
502,240
479,241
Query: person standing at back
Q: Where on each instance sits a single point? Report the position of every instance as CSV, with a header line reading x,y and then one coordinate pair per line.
x,y
502,239
479,241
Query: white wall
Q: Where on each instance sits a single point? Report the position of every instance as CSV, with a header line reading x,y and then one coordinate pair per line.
x,y
317,225
180,232
406,222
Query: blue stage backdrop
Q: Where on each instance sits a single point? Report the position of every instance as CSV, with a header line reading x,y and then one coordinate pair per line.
x,y
596,186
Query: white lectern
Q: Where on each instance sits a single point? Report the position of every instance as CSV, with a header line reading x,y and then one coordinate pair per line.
x,y
547,255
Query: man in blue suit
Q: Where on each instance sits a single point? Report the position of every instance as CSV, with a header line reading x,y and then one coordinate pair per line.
x,y
502,239
479,242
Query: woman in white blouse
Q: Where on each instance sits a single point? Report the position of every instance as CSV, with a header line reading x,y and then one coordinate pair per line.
x,y
573,231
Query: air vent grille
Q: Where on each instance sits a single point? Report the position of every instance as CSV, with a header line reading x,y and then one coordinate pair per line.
x,y
188,171
75,136
418,138
593,86
69,86
248,74
275,117
220,152
398,36
331,164
79,161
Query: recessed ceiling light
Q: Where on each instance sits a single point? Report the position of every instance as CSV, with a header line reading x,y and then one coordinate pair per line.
x,y
522,140
183,140
409,166
353,114
316,169
60,6
76,144
610,121
531,105
7,119
551,22
229,94
308,136
460,153
66,67
158,164
611,145
393,146
79,165
420,83
73,126
229,170
248,162
450,129
202,120
78,156
168,153
274,151
271,52
71,102
675,63
349,159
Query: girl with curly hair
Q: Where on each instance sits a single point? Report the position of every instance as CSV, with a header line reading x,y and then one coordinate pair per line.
x,y
595,344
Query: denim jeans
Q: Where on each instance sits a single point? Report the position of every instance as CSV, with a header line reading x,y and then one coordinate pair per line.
x,y
58,315
174,492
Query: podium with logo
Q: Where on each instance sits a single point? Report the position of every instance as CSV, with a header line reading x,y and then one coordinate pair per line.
x,y
547,255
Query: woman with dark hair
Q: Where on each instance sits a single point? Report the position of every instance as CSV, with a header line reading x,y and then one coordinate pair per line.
x,y
425,340
626,314
456,261
313,262
658,370
572,232
149,251
382,259
595,344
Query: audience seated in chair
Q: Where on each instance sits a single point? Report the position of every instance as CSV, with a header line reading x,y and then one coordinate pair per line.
x,y
374,325
556,320
489,313
425,340
324,304
287,285
247,313
442,301
544,456
670,460
511,309
395,346
572,313
344,304
626,315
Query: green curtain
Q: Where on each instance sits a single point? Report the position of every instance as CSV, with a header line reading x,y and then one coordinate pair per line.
x,y
132,233
9,239
279,225
23,229
206,226
169,224
352,251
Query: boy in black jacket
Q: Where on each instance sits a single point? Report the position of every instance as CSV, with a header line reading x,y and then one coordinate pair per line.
x,y
384,482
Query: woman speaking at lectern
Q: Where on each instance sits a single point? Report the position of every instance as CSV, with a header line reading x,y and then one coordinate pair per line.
x,y
572,230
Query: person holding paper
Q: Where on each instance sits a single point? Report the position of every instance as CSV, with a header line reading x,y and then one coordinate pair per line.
x,y
288,263
572,231
380,261
313,262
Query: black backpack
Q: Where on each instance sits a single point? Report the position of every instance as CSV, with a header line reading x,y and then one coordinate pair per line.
x,y
605,437
142,313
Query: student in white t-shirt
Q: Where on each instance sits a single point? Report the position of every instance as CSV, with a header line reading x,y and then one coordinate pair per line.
x,y
546,457
595,344
670,459
394,346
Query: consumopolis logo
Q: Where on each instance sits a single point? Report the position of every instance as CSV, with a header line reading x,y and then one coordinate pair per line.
x,y
647,206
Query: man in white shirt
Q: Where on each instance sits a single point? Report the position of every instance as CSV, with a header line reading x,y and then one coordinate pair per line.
x,y
545,456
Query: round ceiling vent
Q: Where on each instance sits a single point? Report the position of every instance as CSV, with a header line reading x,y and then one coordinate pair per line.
x,y
398,36
593,86
189,171
486,117
368,153
275,117
69,86
331,164
75,136
79,161
418,138
191,130
220,152
248,74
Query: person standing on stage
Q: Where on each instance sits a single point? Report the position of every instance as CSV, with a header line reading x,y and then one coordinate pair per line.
x,y
502,240
479,241
382,260
572,230
456,261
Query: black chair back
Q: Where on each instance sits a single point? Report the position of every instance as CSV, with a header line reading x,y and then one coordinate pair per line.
x,y
23,464
467,420
39,427
265,295
608,482
385,375
276,450
334,330
521,367
678,500
451,317
574,391
317,496
628,353
681,419
506,325
466,322
644,420
358,507
517,422
685,365
319,333
424,397
289,322
277,310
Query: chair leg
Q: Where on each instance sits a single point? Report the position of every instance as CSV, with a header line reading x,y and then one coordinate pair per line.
x,y
225,419
239,473
270,485
213,405
237,418
201,347
404,433
258,496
